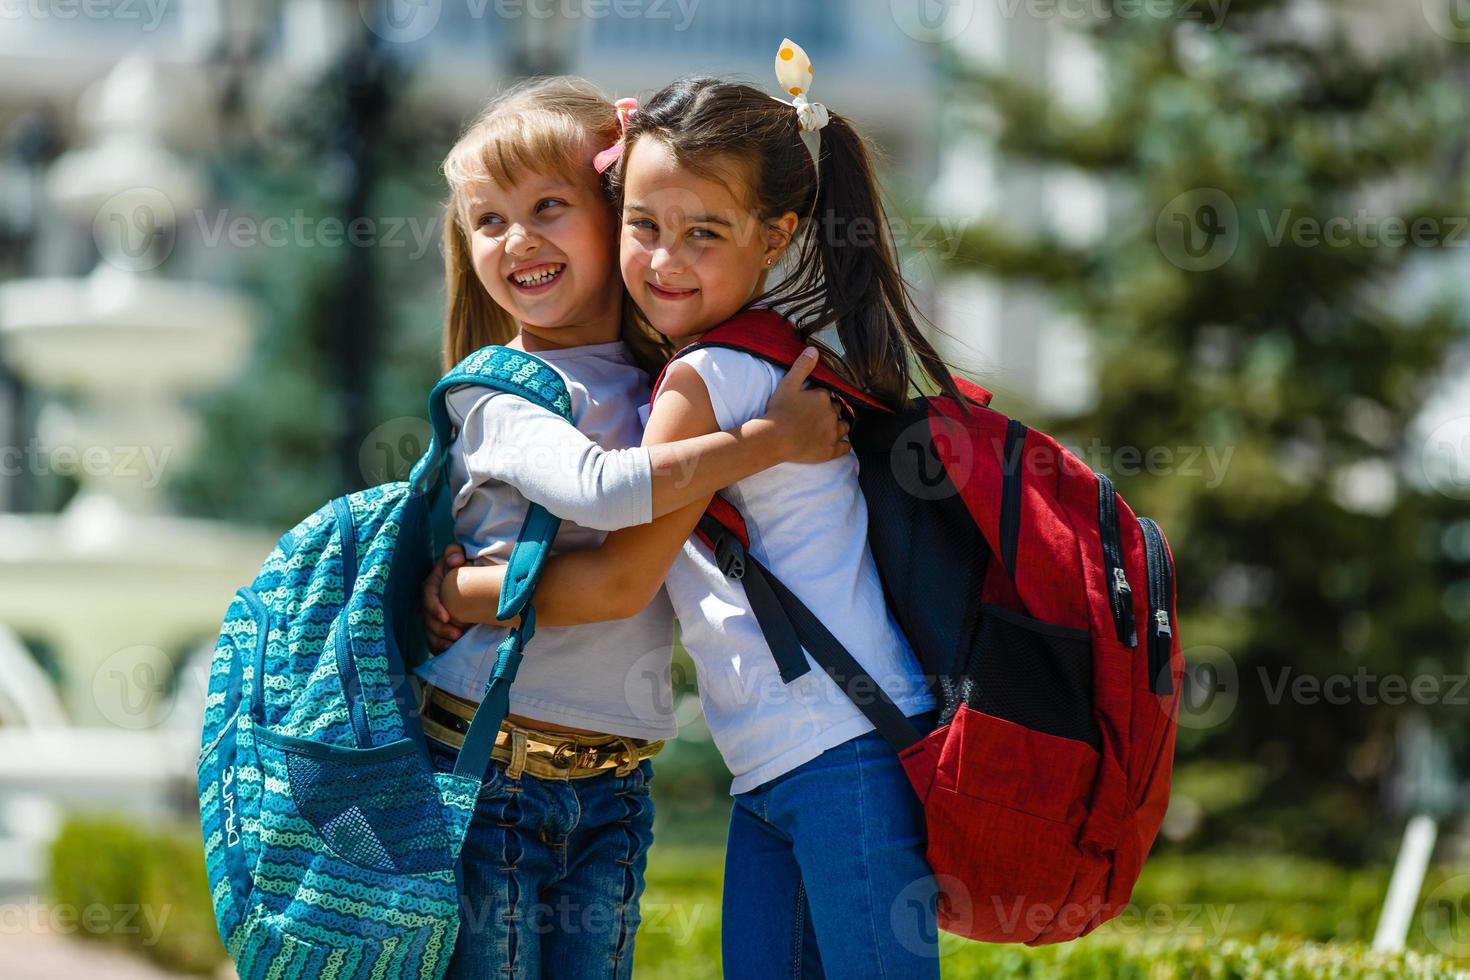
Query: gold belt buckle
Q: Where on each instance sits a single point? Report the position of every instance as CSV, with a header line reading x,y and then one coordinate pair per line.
x,y
566,755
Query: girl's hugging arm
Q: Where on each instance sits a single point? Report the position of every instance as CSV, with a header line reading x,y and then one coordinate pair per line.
x,y
619,578
551,462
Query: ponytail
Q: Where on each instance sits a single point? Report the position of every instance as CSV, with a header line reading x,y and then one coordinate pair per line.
x,y
848,275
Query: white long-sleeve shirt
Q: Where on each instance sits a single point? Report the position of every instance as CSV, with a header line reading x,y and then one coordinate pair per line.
x,y
608,677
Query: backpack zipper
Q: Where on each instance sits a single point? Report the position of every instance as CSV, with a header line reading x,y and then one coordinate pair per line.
x,y
348,533
1010,494
1160,588
346,665
1119,591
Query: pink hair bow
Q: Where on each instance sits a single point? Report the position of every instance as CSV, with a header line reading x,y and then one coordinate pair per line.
x,y
606,158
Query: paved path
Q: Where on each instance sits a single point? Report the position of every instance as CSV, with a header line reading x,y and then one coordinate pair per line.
x,y
29,952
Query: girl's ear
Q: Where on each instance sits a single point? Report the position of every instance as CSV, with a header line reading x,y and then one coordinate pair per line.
x,y
779,231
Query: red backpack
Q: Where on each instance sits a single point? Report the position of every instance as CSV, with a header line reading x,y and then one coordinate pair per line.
x,y
1042,612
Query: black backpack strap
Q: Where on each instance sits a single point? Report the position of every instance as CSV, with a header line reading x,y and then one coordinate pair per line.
x,y
789,626
775,624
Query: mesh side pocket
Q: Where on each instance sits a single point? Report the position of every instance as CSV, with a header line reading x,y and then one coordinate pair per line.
x,y
384,815
1033,673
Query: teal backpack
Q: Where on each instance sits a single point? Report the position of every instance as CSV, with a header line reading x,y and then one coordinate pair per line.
x,y
331,844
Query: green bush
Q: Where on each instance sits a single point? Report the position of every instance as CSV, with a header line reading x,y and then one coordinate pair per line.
x,y
1205,916
1248,895
151,882
1191,959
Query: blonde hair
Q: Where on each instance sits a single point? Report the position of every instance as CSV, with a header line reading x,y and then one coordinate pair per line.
x,y
538,126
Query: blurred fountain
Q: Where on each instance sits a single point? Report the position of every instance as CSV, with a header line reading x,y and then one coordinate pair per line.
x,y
120,592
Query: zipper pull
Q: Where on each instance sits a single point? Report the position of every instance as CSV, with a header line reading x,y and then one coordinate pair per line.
x,y
1161,622
1120,582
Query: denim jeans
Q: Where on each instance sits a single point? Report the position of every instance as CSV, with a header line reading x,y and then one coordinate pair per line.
x,y
553,870
825,874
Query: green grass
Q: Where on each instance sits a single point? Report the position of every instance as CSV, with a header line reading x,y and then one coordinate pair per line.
x,y
1211,916
1201,917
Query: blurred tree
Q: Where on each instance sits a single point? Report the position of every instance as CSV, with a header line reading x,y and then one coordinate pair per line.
x,y
349,334
1221,323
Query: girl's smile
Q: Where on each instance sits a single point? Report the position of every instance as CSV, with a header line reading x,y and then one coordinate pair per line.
x,y
669,292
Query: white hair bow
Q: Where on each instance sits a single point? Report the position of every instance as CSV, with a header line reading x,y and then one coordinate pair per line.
x,y
794,72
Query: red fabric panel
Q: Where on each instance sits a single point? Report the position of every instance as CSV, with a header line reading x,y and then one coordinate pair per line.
x,y
978,395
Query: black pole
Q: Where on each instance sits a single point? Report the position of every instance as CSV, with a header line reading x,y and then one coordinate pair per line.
x,y
355,327
34,139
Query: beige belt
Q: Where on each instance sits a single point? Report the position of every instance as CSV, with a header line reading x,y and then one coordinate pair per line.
x,y
545,755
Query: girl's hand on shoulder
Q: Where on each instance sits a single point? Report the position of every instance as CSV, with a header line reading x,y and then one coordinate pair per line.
x,y
441,629
808,419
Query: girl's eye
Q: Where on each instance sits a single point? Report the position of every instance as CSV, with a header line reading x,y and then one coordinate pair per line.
x,y
489,219
547,202
643,224
704,233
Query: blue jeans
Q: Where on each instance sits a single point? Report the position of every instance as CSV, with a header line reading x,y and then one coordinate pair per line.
x,y
825,872
553,870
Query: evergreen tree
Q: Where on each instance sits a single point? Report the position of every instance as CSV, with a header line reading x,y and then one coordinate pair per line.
x,y
1227,311
296,428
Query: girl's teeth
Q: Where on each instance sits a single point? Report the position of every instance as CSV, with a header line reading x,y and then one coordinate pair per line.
x,y
538,278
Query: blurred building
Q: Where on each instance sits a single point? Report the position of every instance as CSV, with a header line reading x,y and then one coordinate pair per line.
x,y
876,60
460,51
1007,332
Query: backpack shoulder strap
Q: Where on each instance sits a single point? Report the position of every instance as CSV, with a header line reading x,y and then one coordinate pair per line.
x,y
514,372
770,336
525,375
790,627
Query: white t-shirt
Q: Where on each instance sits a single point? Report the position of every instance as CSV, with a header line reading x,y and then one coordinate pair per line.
x,y
809,525
608,677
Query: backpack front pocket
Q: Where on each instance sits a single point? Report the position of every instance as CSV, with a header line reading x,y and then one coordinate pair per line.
x,y
1006,782
357,861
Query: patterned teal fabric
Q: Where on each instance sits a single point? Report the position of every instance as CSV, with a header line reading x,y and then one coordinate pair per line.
x,y
332,846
